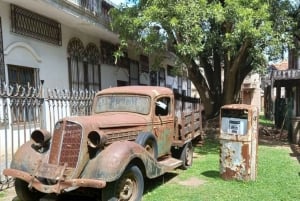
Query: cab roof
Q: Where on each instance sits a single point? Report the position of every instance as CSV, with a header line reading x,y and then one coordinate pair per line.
x,y
152,91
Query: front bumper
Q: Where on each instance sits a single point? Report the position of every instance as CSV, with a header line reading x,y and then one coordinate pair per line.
x,y
59,187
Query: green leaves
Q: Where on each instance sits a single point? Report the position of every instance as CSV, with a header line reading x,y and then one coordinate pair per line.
x,y
211,35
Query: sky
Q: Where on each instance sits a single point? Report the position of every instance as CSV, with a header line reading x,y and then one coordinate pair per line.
x,y
118,2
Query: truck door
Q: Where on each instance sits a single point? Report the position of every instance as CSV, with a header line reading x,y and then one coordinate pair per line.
x,y
163,124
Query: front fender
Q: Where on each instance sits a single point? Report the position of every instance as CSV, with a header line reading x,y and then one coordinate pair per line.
x,y
110,163
27,159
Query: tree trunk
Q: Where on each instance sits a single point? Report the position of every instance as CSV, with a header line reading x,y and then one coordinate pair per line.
x,y
209,98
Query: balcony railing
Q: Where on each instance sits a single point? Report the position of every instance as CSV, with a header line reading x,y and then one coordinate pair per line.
x,y
93,9
91,6
291,74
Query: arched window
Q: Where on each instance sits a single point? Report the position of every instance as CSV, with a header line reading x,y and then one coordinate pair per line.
x,y
92,79
75,51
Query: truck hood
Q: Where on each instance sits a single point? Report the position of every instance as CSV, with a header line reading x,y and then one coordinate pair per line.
x,y
111,120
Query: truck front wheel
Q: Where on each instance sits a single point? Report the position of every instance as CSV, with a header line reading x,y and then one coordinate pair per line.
x,y
24,193
129,187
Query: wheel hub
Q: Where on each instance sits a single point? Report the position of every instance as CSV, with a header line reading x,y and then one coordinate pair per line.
x,y
127,190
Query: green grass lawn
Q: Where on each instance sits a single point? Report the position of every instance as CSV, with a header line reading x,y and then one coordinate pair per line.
x,y
278,179
265,122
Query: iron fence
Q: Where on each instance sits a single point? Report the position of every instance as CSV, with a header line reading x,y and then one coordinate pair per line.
x,y
24,109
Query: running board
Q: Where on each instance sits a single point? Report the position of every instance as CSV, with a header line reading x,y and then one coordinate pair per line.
x,y
170,164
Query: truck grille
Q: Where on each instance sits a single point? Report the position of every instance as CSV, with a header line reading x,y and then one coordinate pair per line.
x,y
66,143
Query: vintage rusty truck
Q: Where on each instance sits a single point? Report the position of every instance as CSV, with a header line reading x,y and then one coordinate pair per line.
x,y
134,132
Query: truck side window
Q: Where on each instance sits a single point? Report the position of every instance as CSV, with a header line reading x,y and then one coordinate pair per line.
x,y
162,107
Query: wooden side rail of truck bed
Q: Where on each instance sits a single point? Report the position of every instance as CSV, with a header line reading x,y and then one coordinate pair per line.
x,y
188,127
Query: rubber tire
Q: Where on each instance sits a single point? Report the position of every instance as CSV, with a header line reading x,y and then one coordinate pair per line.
x,y
148,140
26,194
186,156
131,176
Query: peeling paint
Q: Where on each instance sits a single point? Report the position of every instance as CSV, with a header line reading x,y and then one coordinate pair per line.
x,y
239,150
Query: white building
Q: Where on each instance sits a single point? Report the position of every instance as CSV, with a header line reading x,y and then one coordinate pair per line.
x,y
68,45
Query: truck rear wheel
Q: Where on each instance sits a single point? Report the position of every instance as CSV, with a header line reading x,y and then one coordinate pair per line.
x,y
148,141
26,194
129,187
187,155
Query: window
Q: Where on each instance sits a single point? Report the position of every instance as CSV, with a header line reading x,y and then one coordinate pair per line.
x,y
144,62
162,107
23,108
124,61
153,78
189,88
122,103
92,74
107,53
162,77
21,75
171,71
134,73
179,84
27,23
84,67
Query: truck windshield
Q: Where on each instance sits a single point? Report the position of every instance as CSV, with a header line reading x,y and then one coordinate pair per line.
x,y
122,103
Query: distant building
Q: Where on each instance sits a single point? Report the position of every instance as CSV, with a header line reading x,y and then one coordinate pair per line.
x,y
282,94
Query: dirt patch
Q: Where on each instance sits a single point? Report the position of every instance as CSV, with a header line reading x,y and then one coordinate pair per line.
x,y
192,182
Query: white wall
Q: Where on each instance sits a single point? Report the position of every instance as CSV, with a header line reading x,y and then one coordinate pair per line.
x,y
50,59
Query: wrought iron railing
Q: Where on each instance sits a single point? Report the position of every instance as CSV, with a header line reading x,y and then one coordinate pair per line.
x,y
24,109
93,9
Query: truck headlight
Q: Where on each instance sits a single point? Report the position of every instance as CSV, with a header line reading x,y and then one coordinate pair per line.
x,y
95,140
41,139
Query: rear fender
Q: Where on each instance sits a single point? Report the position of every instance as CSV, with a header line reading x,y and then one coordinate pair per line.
x,y
110,163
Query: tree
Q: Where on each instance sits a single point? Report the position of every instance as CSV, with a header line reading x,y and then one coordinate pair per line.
x,y
210,38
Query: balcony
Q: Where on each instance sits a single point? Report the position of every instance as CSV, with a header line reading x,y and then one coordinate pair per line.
x,y
94,9
286,78
292,74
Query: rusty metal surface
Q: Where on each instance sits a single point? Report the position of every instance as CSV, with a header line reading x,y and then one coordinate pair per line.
x,y
66,144
238,155
235,159
112,161
151,91
55,188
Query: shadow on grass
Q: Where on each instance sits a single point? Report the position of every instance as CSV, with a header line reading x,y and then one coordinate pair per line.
x,y
152,184
211,173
